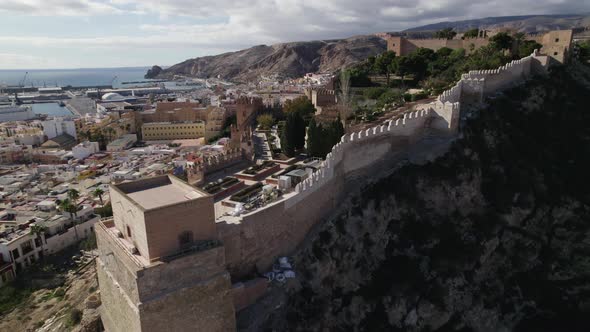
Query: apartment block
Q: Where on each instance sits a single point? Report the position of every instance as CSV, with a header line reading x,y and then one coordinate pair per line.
x,y
160,131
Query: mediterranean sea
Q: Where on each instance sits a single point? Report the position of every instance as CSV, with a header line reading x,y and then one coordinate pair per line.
x,y
73,77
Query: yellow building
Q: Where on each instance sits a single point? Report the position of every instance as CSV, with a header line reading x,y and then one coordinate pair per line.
x,y
161,131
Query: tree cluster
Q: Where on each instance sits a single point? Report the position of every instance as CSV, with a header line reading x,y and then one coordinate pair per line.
x,y
292,134
321,139
583,51
473,33
265,121
301,105
446,33
297,112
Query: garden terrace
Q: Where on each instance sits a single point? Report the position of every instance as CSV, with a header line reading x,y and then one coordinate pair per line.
x,y
223,187
245,194
285,171
258,172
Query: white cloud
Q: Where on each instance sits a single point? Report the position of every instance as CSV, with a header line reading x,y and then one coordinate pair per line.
x,y
59,7
225,25
12,60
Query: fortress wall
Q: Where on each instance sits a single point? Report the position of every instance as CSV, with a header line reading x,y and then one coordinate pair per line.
x,y
434,44
118,285
203,306
117,311
279,228
404,46
180,272
262,235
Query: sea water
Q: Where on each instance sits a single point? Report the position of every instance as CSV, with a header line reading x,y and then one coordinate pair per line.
x,y
51,109
73,77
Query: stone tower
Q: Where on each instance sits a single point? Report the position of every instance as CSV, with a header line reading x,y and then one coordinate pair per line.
x,y
247,108
160,265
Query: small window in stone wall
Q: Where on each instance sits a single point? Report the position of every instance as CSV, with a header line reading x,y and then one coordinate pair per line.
x,y
185,239
128,231
555,53
557,40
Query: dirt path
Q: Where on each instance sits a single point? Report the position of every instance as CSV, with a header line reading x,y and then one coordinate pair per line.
x,y
49,309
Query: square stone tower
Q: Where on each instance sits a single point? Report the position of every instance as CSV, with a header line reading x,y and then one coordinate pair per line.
x,y
160,265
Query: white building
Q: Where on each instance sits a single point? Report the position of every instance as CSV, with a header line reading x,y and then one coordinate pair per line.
x,y
125,174
62,233
85,149
19,248
59,126
29,139
122,143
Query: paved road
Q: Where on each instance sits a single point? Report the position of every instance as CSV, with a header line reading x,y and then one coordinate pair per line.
x,y
261,147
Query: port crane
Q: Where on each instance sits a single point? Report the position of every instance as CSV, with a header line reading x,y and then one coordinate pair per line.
x,y
22,83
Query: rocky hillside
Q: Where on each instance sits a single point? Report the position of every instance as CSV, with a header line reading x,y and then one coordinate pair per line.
x,y
288,59
530,23
494,236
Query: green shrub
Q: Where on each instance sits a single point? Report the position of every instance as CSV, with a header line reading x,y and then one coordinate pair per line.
x,y
12,295
419,96
374,92
74,317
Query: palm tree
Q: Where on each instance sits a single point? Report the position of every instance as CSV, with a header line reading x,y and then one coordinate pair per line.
x,y
69,205
38,230
98,193
73,194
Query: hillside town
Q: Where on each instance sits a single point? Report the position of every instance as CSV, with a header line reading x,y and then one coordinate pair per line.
x,y
219,181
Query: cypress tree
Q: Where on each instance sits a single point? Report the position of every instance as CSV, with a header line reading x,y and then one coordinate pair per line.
x,y
286,139
299,131
312,137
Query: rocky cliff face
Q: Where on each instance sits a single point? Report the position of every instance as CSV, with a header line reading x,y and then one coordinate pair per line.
x,y
153,72
289,59
494,236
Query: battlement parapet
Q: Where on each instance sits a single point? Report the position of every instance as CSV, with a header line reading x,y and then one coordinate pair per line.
x,y
357,155
246,100
446,108
325,92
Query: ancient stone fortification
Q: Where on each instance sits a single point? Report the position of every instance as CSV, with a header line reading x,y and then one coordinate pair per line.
x,y
197,170
150,280
321,98
403,46
260,236
556,44
160,266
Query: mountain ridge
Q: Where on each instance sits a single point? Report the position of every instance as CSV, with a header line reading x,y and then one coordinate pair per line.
x,y
523,23
295,59
291,59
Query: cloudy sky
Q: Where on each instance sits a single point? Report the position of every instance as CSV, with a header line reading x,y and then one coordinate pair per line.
x,y
113,33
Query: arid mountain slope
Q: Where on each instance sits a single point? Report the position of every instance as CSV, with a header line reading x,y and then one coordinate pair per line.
x,y
297,58
288,59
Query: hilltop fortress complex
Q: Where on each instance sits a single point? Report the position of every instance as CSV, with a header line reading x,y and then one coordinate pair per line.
x,y
556,43
168,261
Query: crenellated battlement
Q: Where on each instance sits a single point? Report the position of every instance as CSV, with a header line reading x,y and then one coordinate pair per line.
x,y
252,241
422,132
445,111
441,116
246,100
